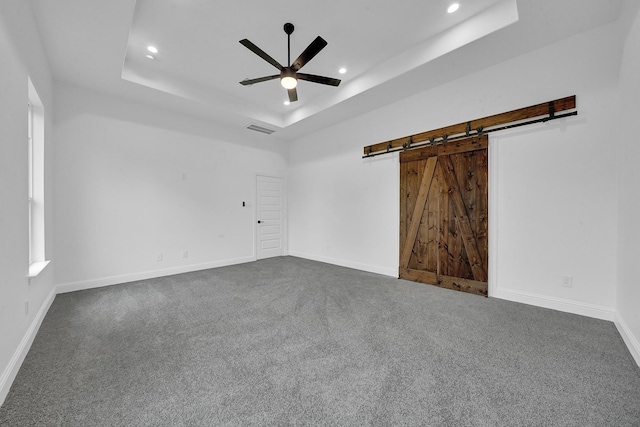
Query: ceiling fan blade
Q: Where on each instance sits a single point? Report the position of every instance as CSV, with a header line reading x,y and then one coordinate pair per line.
x,y
312,50
293,94
261,53
319,79
247,82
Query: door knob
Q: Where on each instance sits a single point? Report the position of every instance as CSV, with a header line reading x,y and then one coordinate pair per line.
x,y
259,222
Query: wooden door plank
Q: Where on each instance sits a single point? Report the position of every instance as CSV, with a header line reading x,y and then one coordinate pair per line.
x,y
464,145
419,254
464,285
482,206
431,231
414,275
443,225
467,178
448,282
468,238
418,209
414,178
403,202
419,153
452,147
465,175
455,244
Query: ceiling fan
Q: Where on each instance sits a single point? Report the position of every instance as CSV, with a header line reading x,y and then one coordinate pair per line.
x,y
289,75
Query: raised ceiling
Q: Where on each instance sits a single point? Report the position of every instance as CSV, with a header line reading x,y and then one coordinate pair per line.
x,y
390,49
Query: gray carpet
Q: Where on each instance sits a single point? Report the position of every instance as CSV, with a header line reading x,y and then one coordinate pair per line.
x,y
287,341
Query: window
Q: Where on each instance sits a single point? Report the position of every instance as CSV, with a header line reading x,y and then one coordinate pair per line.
x,y
35,196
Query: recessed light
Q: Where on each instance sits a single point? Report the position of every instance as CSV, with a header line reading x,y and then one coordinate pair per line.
x,y
152,49
342,70
453,7
149,56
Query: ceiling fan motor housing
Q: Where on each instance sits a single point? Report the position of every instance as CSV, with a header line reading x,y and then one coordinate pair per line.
x,y
288,72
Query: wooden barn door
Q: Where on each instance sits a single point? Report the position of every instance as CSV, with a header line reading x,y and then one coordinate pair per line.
x,y
444,215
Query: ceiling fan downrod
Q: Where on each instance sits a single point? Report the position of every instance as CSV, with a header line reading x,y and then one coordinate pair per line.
x,y
288,28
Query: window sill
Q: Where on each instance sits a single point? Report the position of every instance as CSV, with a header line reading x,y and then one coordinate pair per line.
x,y
35,268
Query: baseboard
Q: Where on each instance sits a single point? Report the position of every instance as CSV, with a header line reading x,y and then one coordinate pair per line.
x,y
393,272
125,278
627,336
10,372
568,306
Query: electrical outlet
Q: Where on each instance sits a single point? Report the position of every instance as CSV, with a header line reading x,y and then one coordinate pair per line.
x,y
185,254
26,307
159,257
567,281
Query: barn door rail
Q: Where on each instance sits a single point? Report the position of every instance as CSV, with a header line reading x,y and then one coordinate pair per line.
x,y
540,113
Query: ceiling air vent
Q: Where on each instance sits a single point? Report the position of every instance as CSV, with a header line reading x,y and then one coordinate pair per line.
x,y
260,129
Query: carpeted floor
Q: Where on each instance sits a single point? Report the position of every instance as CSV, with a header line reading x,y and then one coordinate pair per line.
x,y
286,341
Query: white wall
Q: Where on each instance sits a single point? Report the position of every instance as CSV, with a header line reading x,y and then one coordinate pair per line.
x,y
342,210
628,292
133,182
21,55
555,195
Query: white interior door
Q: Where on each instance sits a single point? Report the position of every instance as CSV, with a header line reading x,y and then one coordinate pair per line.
x,y
270,216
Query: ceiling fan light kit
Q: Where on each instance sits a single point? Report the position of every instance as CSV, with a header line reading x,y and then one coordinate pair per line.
x,y
289,75
288,78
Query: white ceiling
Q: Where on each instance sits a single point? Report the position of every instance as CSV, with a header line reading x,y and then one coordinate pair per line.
x,y
388,48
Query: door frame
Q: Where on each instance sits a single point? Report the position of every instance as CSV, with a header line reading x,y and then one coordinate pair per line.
x,y
285,217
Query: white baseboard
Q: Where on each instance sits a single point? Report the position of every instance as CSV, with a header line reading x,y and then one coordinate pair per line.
x,y
627,336
11,370
125,278
568,306
349,264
